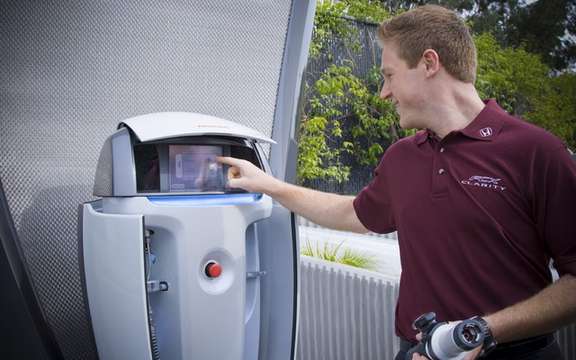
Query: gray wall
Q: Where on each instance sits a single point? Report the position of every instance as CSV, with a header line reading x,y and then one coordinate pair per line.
x,y
70,71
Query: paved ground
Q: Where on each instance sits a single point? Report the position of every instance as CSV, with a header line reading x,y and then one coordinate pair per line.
x,y
385,251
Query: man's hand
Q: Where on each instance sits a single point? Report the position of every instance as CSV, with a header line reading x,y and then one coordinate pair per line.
x,y
473,354
329,210
244,175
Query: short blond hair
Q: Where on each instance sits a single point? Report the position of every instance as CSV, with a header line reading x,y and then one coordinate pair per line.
x,y
437,28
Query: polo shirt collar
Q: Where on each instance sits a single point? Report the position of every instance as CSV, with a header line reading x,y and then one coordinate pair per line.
x,y
487,124
485,127
421,136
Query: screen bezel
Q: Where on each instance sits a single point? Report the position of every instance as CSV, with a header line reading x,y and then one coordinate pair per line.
x,y
241,148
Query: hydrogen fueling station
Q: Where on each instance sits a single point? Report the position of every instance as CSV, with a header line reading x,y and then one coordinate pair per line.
x,y
120,236
167,217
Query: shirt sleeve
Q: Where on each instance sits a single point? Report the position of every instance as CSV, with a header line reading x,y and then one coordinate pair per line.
x,y
556,208
373,204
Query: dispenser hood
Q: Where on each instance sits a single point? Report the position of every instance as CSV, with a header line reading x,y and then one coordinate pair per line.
x,y
175,124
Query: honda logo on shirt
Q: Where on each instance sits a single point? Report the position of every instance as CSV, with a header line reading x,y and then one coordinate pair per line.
x,y
487,131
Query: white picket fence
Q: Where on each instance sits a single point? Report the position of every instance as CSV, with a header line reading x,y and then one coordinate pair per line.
x,y
345,313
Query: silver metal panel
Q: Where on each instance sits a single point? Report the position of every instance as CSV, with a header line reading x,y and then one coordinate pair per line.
x,y
253,308
177,124
198,317
113,247
123,165
103,180
287,114
280,291
279,256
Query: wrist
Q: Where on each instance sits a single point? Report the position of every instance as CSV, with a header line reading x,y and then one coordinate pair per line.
x,y
274,188
494,330
490,342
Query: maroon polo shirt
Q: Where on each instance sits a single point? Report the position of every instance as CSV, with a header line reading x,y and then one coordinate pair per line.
x,y
479,215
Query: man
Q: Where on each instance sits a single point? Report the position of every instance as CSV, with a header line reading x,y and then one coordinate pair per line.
x,y
481,201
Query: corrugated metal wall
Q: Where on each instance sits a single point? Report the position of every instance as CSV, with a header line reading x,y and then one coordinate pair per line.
x,y
345,313
567,339
348,314
70,71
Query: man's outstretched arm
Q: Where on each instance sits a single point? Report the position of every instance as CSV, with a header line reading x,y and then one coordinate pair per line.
x,y
325,209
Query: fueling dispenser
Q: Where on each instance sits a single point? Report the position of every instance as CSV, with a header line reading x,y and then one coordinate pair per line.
x,y
171,253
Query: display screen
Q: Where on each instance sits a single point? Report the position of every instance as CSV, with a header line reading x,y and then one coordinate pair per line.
x,y
188,167
193,168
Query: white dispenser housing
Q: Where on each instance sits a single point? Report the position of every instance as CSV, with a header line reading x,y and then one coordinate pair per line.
x,y
171,254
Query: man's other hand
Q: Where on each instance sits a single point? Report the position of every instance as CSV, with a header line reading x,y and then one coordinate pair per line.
x,y
473,355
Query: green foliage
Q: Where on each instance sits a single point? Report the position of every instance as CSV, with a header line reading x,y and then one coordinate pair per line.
x,y
335,253
331,21
368,11
556,109
543,27
316,159
347,123
341,97
522,84
512,76
540,26
345,117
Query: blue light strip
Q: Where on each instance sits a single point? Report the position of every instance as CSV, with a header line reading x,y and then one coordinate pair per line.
x,y
205,200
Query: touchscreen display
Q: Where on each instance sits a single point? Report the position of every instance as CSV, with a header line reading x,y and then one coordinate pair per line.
x,y
193,168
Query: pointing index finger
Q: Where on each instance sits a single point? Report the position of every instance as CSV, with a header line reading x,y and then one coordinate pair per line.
x,y
228,160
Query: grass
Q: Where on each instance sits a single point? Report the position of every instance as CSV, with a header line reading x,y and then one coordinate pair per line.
x,y
337,254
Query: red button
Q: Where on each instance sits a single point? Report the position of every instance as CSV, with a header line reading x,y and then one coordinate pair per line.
x,y
213,269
